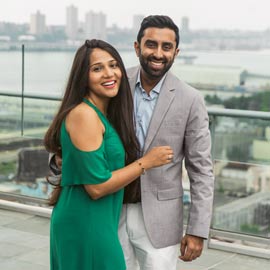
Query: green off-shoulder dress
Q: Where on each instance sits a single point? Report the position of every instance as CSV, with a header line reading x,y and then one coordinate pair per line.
x,y
84,232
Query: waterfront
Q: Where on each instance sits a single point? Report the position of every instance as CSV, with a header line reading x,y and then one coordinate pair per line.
x,y
46,72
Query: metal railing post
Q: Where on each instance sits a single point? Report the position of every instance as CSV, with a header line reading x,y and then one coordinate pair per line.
x,y
22,95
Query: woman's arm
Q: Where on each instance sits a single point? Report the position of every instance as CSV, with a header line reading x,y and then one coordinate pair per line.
x,y
157,156
89,138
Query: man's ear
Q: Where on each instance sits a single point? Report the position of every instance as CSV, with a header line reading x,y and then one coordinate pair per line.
x,y
177,51
137,48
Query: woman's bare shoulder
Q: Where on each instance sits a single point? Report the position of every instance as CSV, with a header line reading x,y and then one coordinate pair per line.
x,y
84,127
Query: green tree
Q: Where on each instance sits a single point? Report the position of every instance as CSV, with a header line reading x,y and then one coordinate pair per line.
x,y
257,102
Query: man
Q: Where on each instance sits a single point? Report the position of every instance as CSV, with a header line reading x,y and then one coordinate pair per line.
x,y
167,112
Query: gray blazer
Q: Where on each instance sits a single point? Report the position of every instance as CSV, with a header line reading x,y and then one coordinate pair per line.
x,y
180,120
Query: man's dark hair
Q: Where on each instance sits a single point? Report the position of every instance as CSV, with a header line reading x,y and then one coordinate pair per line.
x,y
158,21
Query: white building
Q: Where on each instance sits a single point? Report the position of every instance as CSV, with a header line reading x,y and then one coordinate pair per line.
x,y
208,75
137,19
232,216
37,23
261,148
25,38
185,24
242,178
72,22
5,38
95,25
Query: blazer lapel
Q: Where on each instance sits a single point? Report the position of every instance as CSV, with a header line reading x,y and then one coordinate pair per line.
x,y
164,101
132,74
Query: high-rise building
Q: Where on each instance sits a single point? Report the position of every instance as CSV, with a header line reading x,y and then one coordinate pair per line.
x,y
95,25
137,19
185,25
72,22
37,23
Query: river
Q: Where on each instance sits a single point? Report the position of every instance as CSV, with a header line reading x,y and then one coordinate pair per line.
x,y
46,73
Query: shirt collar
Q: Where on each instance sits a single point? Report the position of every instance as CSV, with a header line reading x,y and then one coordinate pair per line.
x,y
157,87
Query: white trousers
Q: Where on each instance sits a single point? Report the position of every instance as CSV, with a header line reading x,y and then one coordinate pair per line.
x,y
138,250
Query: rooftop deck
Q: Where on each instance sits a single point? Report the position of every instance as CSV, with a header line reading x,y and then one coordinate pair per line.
x,y
24,245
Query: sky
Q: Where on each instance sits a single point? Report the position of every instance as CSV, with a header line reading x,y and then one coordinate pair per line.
x,y
203,14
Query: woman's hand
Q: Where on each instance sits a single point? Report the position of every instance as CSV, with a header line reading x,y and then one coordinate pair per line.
x,y
157,156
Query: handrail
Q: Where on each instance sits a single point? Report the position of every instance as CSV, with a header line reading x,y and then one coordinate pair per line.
x,y
238,113
211,110
42,97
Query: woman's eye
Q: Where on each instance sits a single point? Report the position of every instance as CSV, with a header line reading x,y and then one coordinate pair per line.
x,y
114,65
96,69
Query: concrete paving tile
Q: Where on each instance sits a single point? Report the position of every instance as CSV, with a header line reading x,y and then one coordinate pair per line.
x,y
252,262
24,245
39,257
242,262
20,265
38,225
37,242
212,257
189,266
4,220
10,250
7,218
209,258
14,236
17,215
216,252
236,266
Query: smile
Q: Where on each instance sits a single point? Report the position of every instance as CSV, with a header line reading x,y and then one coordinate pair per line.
x,y
157,65
110,83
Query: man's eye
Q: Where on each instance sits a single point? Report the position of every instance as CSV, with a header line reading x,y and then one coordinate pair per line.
x,y
167,47
150,45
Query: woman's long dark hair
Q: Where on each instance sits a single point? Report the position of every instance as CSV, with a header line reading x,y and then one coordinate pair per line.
x,y
120,108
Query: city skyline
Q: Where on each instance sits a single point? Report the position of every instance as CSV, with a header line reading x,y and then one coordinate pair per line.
x,y
207,14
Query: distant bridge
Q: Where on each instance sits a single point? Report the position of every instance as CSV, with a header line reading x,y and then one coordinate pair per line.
x,y
254,75
247,75
188,59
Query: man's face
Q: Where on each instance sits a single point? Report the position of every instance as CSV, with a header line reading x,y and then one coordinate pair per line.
x,y
156,51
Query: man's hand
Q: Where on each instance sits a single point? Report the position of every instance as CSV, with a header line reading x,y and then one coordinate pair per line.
x,y
58,162
191,248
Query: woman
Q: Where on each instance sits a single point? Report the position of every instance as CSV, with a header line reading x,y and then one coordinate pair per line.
x,y
94,131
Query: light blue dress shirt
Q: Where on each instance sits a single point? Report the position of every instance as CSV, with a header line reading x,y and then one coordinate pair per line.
x,y
144,106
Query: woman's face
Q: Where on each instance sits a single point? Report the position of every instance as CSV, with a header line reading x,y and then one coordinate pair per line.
x,y
104,74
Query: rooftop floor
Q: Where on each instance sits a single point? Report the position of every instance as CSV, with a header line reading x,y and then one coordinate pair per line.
x,y
24,245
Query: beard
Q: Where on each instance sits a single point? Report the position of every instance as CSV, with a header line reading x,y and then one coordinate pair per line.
x,y
150,71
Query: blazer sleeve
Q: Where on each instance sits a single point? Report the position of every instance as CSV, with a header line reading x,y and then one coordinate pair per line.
x,y
199,167
52,165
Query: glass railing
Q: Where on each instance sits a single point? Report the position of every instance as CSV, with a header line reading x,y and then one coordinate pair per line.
x,y
241,147
23,159
240,152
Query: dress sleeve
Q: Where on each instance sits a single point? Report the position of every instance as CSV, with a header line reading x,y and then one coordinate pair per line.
x,y
87,167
